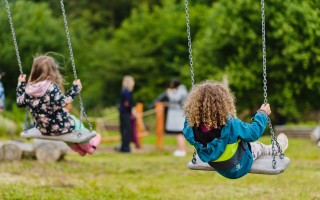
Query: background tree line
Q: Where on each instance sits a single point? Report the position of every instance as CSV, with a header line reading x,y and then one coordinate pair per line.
x,y
148,40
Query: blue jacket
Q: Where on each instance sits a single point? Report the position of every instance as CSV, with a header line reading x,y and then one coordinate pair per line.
x,y
125,96
234,130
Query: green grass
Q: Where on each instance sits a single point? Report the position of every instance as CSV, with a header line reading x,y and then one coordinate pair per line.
x,y
153,174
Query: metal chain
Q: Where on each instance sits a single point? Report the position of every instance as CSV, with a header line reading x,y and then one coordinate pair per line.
x,y
82,110
265,94
194,160
189,43
27,123
14,37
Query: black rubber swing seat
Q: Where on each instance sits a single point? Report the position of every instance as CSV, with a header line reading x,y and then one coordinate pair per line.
x,y
262,165
74,136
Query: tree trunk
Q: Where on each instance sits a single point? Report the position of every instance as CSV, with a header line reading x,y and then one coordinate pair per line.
x,y
26,148
49,150
10,152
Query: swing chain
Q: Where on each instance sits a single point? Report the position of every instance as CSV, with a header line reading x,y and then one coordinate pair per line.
x,y
264,54
189,42
27,123
69,40
264,63
194,160
14,37
82,110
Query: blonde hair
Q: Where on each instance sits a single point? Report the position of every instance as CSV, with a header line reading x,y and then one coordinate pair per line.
x,y
128,83
209,103
45,68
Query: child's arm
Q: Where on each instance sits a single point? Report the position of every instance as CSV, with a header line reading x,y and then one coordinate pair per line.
x,y
21,91
252,132
60,100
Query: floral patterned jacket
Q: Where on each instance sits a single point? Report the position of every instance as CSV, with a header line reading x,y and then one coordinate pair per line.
x,y
48,111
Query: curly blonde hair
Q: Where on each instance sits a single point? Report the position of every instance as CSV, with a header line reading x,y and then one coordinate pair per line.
x,y
209,103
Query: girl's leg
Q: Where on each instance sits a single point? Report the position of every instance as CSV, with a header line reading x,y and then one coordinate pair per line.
x,y
257,149
125,123
87,146
75,147
181,151
181,142
283,143
91,145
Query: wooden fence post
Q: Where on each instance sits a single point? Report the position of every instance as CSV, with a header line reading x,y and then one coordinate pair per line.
x,y
139,109
159,124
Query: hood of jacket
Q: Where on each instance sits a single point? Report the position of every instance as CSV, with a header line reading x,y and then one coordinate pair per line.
x,y
38,89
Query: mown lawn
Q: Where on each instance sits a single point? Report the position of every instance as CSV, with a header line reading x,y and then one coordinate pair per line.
x,y
155,174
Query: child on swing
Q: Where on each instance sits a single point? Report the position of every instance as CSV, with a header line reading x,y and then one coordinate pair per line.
x,y
44,99
223,141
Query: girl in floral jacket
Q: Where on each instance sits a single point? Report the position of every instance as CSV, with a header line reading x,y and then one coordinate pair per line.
x,y
43,97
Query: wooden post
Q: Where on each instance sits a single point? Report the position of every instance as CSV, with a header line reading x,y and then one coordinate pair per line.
x,y
159,124
139,109
49,150
10,152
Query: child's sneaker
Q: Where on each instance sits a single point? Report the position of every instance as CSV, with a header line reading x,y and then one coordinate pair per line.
x,y
283,141
179,153
91,146
95,141
76,148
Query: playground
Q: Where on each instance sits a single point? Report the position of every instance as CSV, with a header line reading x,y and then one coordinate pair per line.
x,y
159,100
153,174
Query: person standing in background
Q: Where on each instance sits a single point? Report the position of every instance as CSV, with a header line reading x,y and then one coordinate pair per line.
x,y
125,110
2,96
177,93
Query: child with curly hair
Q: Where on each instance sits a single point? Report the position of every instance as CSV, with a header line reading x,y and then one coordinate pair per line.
x,y
221,139
43,97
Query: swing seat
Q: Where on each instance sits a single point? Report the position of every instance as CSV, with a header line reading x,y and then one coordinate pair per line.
x,y
262,165
73,137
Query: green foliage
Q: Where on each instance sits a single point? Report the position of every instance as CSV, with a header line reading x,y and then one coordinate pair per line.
x,y
12,122
148,39
230,43
36,31
151,46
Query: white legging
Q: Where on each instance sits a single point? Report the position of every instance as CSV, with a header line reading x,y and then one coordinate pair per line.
x,y
260,149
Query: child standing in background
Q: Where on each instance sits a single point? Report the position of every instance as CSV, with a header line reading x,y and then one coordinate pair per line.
x,y
125,109
2,96
177,93
44,99
223,141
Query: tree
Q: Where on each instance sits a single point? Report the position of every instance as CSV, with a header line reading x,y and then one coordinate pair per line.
x,y
36,31
152,46
231,44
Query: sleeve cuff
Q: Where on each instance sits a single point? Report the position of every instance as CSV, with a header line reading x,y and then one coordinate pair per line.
x,y
21,84
76,89
263,112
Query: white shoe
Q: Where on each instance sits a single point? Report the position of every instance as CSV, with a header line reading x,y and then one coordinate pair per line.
x,y
283,141
319,143
179,153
